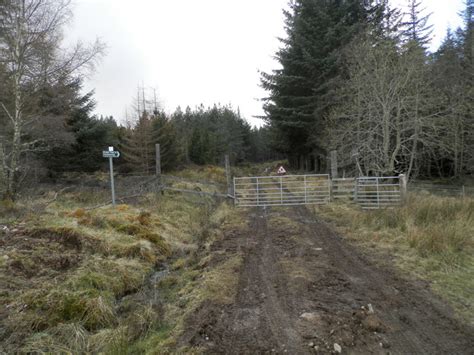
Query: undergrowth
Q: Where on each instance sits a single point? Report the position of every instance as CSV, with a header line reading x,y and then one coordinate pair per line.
x,y
76,280
431,237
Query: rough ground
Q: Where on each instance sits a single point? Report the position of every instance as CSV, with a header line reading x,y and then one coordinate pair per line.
x,y
303,289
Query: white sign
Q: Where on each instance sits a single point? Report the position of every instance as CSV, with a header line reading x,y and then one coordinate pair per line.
x,y
108,154
281,170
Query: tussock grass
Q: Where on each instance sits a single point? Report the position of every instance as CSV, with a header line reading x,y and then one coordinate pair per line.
x,y
432,237
104,301
433,226
197,278
110,341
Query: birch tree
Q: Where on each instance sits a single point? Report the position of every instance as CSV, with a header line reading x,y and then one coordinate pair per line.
x,y
31,53
383,118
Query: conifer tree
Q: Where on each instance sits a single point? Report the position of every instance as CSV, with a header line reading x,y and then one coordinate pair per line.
x,y
300,94
139,146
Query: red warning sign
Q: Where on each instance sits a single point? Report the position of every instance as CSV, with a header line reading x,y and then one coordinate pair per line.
x,y
281,170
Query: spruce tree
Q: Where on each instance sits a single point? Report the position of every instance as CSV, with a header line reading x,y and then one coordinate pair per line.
x,y
415,27
300,93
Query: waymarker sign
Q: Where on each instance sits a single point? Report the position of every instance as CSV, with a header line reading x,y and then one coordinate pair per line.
x,y
111,154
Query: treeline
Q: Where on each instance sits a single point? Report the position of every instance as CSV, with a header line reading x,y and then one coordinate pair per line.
x,y
357,77
47,126
200,136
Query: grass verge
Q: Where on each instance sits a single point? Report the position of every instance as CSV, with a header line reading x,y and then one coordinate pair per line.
x,y
74,280
430,237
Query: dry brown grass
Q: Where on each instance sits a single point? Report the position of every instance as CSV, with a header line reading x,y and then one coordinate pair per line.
x,y
431,237
114,251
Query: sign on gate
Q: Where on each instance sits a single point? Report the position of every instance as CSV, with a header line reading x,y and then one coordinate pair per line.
x,y
289,190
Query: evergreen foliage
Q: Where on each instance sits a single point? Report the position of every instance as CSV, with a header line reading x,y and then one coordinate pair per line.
x,y
357,77
301,92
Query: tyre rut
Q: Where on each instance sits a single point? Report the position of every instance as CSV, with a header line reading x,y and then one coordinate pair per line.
x,y
302,289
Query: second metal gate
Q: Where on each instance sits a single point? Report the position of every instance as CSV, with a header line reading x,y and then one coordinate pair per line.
x,y
285,190
378,192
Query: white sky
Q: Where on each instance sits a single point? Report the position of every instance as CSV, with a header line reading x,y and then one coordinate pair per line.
x,y
192,52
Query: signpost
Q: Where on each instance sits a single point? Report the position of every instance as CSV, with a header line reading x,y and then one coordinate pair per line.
x,y
111,154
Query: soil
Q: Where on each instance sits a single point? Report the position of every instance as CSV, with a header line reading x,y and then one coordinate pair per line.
x,y
304,289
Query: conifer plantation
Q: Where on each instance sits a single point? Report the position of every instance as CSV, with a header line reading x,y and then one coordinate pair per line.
x,y
357,77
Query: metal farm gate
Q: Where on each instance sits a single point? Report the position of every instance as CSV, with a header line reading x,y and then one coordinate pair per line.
x,y
288,190
378,192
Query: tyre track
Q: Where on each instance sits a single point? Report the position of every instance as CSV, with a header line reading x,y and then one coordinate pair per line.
x,y
301,284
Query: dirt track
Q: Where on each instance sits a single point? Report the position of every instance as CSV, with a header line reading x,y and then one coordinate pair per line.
x,y
303,289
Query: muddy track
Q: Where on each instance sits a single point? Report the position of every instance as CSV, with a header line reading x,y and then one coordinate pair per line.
x,y
303,289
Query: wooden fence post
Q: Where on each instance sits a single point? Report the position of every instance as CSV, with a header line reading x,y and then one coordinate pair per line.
x,y
228,176
158,165
334,164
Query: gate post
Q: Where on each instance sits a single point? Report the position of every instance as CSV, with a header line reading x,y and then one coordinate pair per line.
x,y
158,169
228,176
403,187
334,164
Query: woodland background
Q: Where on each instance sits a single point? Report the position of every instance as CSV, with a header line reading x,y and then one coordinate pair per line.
x,y
356,77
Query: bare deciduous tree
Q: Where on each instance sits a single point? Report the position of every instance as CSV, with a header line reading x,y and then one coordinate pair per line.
x,y
31,54
383,117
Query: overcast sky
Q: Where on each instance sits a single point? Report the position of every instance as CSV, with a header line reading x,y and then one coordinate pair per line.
x,y
192,52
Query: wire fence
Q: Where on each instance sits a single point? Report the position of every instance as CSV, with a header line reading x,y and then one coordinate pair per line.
x,y
368,192
441,190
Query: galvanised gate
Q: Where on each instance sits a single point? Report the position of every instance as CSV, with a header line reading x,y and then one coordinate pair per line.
x,y
285,190
291,190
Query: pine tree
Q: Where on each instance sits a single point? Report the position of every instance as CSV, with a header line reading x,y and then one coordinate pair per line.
x,y
300,94
138,146
164,133
416,28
